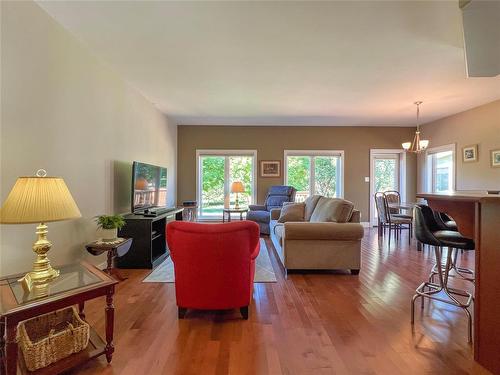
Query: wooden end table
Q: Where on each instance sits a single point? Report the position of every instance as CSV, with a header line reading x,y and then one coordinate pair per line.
x,y
76,284
229,211
114,250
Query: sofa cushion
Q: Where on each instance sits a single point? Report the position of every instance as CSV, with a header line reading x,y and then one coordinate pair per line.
x,y
324,231
311,202
332,209
258,216
292,212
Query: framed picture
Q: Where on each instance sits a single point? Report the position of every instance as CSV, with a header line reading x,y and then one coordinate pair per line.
x,y
495,158
469,153
270,168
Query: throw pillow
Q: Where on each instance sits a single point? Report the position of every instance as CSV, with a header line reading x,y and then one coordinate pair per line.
x,y
311,203
332,209
292,212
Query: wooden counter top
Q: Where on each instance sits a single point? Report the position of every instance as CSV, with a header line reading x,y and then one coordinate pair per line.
x,y
459,196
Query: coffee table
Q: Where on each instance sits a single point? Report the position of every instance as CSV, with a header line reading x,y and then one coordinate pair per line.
x,y
229,211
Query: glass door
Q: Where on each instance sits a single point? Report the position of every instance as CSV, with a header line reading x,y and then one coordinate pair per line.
x,y
217,170
385,174
212,181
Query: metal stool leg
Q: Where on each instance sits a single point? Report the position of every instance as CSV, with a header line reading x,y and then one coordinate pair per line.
x,y
429,289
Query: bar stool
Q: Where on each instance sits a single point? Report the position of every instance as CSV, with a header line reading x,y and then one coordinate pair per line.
x,y
428,232
445,223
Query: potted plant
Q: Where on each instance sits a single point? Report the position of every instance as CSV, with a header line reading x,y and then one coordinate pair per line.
x,y
109,225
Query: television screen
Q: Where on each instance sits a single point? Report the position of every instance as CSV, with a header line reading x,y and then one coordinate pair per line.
x,y
149,186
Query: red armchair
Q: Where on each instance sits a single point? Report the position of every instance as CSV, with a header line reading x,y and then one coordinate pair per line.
x,y
214,264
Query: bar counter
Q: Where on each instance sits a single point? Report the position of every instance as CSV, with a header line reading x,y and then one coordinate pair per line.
x,y
478,216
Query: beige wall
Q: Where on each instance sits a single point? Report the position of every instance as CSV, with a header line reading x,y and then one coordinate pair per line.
x,y
65,111
270,143
480,125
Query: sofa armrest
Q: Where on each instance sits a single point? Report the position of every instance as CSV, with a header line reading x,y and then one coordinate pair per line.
x,y
323,231
257,207
355,216
275,213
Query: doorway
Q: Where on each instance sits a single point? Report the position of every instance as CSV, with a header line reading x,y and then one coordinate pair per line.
x,y
387,172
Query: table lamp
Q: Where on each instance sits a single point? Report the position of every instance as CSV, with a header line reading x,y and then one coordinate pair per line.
x,y
39,199
237,187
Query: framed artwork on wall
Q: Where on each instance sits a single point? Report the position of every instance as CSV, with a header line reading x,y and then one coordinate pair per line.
x,y
469,153
495,158
270,168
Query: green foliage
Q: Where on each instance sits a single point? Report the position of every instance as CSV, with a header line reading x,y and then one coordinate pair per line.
x,y
299,168
325,175
240,169
213,181
384,174
110,221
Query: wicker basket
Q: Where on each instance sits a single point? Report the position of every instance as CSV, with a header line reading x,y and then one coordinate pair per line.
x,y
48,338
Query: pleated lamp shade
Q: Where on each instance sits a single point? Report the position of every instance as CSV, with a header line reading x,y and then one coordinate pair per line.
x,y
237,187
38,200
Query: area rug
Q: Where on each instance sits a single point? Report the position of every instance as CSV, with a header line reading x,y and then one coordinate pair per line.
x,y
264,272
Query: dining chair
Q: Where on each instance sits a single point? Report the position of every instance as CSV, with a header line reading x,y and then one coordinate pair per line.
x,y
392,221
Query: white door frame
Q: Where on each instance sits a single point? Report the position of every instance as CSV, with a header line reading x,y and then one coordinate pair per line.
x,y
402,177
208,152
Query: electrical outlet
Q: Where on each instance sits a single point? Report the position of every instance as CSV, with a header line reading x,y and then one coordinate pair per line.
x,y
367,179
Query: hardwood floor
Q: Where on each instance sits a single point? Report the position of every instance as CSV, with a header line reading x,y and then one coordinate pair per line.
x,y
306,324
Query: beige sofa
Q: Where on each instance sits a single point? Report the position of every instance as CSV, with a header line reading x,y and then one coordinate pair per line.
x,y
329,237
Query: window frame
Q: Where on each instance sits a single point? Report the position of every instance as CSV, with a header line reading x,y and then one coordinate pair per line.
x,y
226,153
313,153
430,170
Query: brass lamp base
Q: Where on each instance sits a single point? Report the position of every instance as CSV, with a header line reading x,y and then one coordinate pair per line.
x,y
237,203
42,270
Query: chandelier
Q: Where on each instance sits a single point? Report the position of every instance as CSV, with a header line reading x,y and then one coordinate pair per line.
x,y
418,145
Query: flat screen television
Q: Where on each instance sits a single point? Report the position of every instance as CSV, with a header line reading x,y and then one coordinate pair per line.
x,y
149,186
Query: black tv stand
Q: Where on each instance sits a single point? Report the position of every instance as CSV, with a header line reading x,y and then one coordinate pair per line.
x,y
154,211
149,247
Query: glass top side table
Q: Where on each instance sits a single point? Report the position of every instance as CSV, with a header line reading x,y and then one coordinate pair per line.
x,y
76,284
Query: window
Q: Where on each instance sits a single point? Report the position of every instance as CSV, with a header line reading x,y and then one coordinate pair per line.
x,y
217,170
314,172
440,167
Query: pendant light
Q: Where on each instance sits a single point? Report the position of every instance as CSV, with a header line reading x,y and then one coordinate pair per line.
x,y
418,145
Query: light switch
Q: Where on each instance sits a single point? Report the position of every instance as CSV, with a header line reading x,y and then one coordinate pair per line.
x,y
367,179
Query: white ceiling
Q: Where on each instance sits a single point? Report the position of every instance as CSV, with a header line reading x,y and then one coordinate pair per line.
x,y
278,63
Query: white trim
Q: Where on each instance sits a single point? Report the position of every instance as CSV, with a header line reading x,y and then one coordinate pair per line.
x,y
434,150
312,153
226,153
401,176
